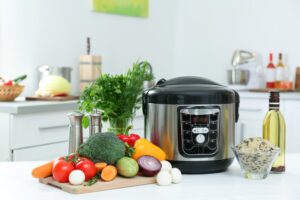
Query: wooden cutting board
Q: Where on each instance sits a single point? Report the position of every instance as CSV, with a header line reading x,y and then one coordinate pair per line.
x,y
118,182
66,98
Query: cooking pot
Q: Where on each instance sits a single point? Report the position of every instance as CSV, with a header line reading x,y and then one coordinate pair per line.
x,y
46,70
193,120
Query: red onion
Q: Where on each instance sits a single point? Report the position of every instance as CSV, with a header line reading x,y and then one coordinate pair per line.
x,y
149,166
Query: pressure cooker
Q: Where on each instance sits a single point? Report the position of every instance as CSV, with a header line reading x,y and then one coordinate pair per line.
x,y
193,120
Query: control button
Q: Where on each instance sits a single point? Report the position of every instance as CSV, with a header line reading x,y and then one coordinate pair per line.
x,y
186,117
188,144
200,138
213,126
200,130
212,145
186,126
213,135
205,130
186,135
214,117
195,130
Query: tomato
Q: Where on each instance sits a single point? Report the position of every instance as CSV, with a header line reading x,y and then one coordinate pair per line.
x,y
9,83
132,139
72,158
61,170
88,168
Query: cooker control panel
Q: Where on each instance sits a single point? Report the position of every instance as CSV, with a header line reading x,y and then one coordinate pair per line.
x,y
199,130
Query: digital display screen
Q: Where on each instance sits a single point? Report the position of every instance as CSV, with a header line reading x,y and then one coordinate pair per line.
x,y
200,119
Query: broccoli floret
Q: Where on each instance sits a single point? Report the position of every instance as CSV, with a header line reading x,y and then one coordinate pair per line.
x,y
103,147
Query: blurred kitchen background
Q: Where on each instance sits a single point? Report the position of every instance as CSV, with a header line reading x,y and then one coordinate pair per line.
x,y
179,37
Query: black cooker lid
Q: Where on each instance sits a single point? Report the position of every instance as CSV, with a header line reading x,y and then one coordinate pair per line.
x,y
189,90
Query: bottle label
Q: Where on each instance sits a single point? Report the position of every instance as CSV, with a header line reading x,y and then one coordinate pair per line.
x,y
279,74
271,75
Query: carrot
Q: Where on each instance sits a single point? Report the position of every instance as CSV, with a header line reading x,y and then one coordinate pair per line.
x,y
43,171
109,173
100,166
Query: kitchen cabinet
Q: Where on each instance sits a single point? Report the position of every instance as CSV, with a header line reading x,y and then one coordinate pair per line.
x,y
252,113
43,152
38,130
253,107
34,130
291,113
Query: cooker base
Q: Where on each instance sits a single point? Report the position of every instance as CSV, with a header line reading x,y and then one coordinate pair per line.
x,y
202,167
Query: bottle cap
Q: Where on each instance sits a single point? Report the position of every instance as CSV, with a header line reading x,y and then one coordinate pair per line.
x,y
274,100
271,57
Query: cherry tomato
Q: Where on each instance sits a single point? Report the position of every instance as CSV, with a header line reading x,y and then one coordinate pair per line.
x,y
61,170
8,83
87,167
132,139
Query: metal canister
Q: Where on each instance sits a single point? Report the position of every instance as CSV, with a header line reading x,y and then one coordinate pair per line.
x,y
95,123
76,132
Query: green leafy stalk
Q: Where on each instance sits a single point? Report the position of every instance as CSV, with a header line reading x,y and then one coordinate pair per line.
x,y
116,96
129,150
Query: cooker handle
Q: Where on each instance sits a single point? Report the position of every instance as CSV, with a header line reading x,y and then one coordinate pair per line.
x,y
237,105
161,81
144,104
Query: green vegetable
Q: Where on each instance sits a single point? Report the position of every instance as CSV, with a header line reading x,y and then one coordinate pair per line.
x,y
103,147
92,181
20,78
117,96
127,167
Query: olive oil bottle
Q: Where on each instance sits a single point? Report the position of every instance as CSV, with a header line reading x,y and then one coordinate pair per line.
x,y
274,130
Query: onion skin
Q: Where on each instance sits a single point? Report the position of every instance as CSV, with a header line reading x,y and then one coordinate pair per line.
x,y
149,165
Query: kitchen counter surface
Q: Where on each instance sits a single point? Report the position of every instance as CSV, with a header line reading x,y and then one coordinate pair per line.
x,y
17,183
265,95
20,106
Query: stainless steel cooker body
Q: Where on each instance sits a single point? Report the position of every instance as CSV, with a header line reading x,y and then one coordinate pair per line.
x,y
193,120
162,127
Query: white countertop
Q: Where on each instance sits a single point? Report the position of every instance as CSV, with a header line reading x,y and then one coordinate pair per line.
x,y
17,183
20,106
265,95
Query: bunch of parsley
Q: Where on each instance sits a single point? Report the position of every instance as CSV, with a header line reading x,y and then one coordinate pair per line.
x,y
116,96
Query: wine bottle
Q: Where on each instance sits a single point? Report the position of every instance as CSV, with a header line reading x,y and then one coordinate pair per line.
x,y
274,130
271,73
280,67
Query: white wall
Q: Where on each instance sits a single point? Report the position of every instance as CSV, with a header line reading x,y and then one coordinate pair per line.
x,y
208,32
180,37
53,32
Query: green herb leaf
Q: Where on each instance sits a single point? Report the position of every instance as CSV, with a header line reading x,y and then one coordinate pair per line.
x,y
85,121
92,181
